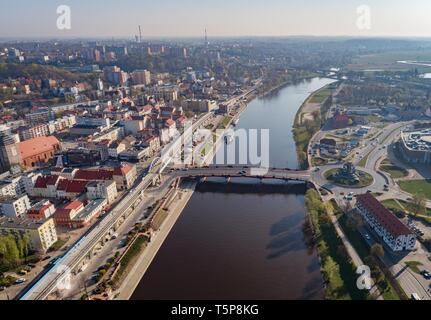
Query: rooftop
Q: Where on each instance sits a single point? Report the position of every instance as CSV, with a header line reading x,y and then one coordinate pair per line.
x,y
20,223
37,145
385,217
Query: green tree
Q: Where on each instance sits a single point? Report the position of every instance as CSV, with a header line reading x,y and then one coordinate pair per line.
x,y
377,250
335,284
418,206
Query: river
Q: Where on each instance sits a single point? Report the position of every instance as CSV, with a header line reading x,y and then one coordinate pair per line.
x,y
248,244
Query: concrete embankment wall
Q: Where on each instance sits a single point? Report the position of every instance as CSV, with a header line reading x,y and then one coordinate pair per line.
x,y
176,207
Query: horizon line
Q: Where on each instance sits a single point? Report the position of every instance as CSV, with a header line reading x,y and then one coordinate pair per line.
x,y
128,38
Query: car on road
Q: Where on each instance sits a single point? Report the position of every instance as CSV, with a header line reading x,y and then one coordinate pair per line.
x,y
317,170
20,281
53,261
426,274
415,296
367,236
46,258
22,272
369,191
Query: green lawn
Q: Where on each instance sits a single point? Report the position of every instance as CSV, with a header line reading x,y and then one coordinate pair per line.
x,y
403,207
394,171
320,96
316,161
364,160
374,119
414,265
58,245
225,122
422,187
392,205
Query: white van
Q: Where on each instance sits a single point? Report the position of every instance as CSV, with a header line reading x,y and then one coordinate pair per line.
x,y
415,296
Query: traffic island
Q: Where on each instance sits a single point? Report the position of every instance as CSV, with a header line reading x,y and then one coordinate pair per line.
x,y
349,177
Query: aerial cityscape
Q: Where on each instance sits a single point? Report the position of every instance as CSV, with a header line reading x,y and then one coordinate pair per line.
x,y
166,151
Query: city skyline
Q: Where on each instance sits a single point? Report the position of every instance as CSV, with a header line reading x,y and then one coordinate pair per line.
x,y
170,19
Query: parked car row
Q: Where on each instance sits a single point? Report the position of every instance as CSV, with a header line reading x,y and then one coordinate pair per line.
x,y
415,229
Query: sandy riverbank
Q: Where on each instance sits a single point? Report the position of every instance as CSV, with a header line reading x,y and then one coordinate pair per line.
x,y
142,264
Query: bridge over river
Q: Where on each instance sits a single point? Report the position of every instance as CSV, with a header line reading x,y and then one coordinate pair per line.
x,y
241,171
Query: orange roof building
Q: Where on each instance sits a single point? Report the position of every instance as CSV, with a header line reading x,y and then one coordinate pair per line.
x,y
38,150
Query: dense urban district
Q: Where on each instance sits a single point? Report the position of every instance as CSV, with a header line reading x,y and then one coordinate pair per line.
x,y
92,133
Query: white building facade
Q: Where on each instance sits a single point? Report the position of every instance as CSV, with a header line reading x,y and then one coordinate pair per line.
x,y
393,232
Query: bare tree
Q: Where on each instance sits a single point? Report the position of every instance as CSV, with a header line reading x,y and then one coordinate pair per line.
x,y
419,205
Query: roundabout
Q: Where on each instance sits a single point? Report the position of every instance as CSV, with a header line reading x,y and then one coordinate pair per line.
x,y
361,180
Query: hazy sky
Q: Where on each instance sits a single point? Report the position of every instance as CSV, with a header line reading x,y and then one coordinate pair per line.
x,y
183,18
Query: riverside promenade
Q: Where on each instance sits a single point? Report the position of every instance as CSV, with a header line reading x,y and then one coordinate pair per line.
x,y
135,275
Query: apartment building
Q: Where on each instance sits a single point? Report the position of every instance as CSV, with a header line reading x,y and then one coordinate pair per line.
x,y
42,233
14,207
392,231
102,190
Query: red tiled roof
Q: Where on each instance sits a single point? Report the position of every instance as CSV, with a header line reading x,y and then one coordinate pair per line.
x,y
122,171
44,181
41,182
72,186
385,218
64,212
88,175
52,180
35,146
76,186
170,122
62,185
76,204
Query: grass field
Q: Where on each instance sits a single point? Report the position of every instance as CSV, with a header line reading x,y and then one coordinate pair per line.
x,y
225,122
422,187
364,160
392,205
388,61
400,206
374,119
320,95
414,265
317,161
394,171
